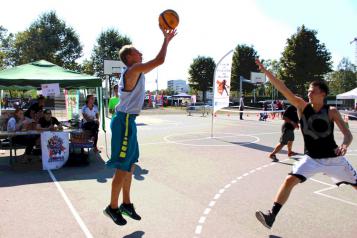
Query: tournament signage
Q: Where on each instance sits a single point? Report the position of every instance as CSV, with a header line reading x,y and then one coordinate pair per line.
x,y
222,82
55,149
72,103
50,90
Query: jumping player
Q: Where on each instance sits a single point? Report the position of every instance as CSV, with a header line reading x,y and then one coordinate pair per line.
x,y
124,144
322,154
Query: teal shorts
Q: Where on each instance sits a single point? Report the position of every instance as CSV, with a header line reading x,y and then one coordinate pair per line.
x,y
125,147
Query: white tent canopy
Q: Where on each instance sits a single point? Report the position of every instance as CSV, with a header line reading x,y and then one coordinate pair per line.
x,y
182,95
348,95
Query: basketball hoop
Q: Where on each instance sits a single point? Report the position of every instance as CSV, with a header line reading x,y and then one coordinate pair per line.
x,y
257,78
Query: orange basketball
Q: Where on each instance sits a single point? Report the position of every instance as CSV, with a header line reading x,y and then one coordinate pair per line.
x,y
168,20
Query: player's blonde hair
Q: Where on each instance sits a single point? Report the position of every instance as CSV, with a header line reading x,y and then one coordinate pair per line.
x,y
124,52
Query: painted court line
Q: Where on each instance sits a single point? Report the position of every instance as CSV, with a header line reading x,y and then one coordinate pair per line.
x,y
70,206
207,210
211,204
334,198
330,187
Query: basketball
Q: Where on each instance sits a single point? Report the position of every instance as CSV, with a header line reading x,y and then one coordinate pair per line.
x,y
168,20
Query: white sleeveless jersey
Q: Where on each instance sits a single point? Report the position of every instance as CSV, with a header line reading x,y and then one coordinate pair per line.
x,y
131,102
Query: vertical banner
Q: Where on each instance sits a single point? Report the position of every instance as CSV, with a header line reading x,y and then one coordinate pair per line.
x,y
150,101
72,102
222,82
101,107
55,149
193,99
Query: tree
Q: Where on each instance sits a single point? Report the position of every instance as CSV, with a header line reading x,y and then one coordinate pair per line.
x,y
50,39
243,64
108,45
344,79
201,74
304,59
6,41
274,67
87,67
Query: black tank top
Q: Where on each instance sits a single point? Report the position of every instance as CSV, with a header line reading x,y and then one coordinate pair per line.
x,y
317,130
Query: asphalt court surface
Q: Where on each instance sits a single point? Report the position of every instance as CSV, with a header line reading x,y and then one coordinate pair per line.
x,y
186,184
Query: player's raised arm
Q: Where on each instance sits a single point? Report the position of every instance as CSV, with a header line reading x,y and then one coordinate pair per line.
x,y
278,84
160,57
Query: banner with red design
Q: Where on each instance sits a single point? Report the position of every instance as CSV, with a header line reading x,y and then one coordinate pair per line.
x,y
55,149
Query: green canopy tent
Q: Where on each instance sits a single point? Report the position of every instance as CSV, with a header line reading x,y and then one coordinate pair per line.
x,y
43,72
32,75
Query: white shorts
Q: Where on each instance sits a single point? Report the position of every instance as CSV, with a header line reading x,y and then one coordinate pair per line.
x,y
337,168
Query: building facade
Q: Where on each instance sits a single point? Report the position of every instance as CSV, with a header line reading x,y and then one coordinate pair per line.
x,y
177,86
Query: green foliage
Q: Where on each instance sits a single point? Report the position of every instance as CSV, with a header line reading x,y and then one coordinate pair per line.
x,y
87,67
6,41
274,67
344,79
201,73
50,39
108,45
304,59
243,64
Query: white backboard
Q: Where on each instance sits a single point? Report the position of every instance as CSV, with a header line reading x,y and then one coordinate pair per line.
x,y
257,77
113,66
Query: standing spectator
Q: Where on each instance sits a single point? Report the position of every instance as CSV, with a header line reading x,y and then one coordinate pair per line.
x,y
241,107
273,108
279,107
114,100
291,121
91,120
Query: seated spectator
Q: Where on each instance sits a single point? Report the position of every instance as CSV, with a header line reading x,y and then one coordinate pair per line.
x,y
35,111
17,123
48,122
91,120
264,115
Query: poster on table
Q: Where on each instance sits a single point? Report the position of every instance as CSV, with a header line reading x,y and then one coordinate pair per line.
x,y
51,89
55,149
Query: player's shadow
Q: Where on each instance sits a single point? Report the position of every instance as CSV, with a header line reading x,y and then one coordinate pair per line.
x,y
141,124
136,234
257,147
273,236
139,172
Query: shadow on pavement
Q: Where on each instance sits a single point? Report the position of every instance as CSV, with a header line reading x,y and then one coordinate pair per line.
x,y
32,173
254,146
136,234
139,172
263,148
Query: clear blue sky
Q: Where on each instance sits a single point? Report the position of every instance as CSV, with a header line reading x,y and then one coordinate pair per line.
x,y
207,28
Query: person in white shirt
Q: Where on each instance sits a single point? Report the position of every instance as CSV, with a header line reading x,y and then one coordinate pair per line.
x,y
16,122
91,119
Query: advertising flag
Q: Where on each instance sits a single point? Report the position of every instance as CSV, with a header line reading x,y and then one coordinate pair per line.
x,y
222,82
